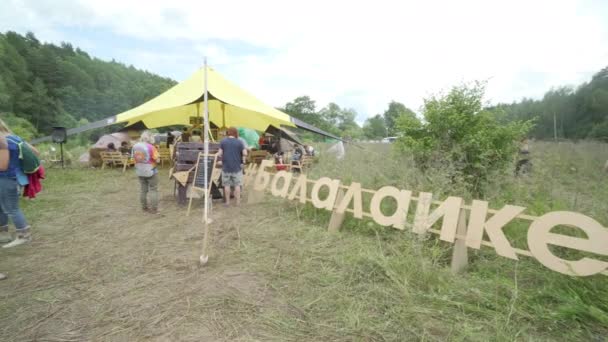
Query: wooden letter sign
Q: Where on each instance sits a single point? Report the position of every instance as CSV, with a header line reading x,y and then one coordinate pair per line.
x,y
452,212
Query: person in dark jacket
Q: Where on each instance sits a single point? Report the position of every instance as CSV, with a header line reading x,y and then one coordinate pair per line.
x,y
170,139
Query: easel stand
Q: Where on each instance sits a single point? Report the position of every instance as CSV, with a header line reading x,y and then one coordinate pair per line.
x,y
199,178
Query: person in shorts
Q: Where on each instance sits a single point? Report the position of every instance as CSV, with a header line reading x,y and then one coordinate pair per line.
x,y
232,153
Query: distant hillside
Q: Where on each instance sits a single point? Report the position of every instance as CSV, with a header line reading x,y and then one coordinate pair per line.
x,y
44,85
568,112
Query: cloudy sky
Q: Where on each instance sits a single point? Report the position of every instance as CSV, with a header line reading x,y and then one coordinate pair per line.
x,y
359,54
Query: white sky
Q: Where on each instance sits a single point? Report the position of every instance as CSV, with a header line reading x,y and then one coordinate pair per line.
x,y
359,54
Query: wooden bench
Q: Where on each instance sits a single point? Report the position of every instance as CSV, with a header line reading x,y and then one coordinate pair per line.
x,y
115,159
303,164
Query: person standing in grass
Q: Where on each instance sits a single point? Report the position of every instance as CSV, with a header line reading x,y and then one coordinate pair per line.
x,y
146,158
10,177
232,153
523,162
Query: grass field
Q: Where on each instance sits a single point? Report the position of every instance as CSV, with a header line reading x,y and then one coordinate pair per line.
x,y
100,270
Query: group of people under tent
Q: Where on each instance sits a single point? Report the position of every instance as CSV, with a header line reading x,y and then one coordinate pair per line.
x,y
125,147
272,144
232,155
189,134
298,152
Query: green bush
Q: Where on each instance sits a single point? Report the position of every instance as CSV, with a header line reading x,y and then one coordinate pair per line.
x,y
19,126
457,129
599,131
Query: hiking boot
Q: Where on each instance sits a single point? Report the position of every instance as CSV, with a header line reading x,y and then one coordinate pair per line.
x,y
22,237
5,236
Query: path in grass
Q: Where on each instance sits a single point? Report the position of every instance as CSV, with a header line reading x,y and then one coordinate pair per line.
x,y
100,269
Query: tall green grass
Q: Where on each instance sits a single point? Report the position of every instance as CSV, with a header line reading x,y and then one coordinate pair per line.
x,y
382,284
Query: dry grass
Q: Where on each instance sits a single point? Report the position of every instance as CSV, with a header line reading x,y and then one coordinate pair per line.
x,y
99,269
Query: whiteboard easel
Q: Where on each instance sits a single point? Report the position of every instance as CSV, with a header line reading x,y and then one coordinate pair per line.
x,y
199,172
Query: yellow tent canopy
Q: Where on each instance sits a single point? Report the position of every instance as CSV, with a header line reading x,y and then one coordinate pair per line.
x,y
228,104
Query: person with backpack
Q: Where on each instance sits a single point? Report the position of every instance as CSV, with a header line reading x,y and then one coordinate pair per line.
x,y
16,159
146,158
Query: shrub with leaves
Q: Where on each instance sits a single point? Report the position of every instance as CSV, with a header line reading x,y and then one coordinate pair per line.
x,y
456,128
19,126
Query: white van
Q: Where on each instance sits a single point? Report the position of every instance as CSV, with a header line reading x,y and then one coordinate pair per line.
x,y
389,140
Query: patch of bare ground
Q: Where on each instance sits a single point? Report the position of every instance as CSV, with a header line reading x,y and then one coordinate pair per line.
x,y
101,269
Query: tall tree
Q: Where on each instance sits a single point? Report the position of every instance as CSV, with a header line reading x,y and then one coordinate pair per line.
x,y
302,107
570,113
374,127
341,121
394,111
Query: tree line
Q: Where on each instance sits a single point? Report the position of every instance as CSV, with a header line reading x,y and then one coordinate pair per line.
x,y
566,112
43,85
341,121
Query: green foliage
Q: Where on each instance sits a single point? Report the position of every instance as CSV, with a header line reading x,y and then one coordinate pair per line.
x,y
342,119
381,126
457,129
600,131
393,113
497,298
19,126
332,118
50,85
375,127
566,112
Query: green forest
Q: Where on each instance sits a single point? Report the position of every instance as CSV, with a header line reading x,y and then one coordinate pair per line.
x,y
566,112
44,85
